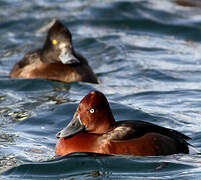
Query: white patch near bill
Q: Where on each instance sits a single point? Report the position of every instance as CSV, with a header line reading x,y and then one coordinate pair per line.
x,y
67,57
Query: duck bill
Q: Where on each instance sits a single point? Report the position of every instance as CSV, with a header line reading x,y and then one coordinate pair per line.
x,y
67,57
74,127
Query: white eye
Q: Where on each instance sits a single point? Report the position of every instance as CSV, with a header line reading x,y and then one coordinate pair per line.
x,y
91,110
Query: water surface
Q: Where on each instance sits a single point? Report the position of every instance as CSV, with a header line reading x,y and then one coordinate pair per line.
x,y
147,57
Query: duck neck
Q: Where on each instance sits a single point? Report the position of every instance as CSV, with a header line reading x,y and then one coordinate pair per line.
x,y
107,124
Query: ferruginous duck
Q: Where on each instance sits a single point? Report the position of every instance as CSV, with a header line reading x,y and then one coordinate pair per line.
x,y
94,129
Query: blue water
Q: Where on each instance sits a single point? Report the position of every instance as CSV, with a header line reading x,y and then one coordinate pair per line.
x,y
147,56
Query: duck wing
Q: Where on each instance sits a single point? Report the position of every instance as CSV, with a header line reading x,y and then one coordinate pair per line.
x,y
134,129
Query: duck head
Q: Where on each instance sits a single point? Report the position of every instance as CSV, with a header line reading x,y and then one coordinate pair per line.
x,y
93,115
58,46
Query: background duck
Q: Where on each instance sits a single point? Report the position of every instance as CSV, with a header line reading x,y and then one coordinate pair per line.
x,y
57,60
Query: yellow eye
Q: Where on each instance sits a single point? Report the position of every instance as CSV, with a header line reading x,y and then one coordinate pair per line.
x,y
54,42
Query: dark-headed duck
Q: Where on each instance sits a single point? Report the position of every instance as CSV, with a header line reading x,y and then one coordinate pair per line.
x,y
94,129
57,60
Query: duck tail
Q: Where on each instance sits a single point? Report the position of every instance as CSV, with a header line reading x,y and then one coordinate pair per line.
x,y
193,149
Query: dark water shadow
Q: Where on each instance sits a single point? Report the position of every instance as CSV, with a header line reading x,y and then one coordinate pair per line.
x,y
92,165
